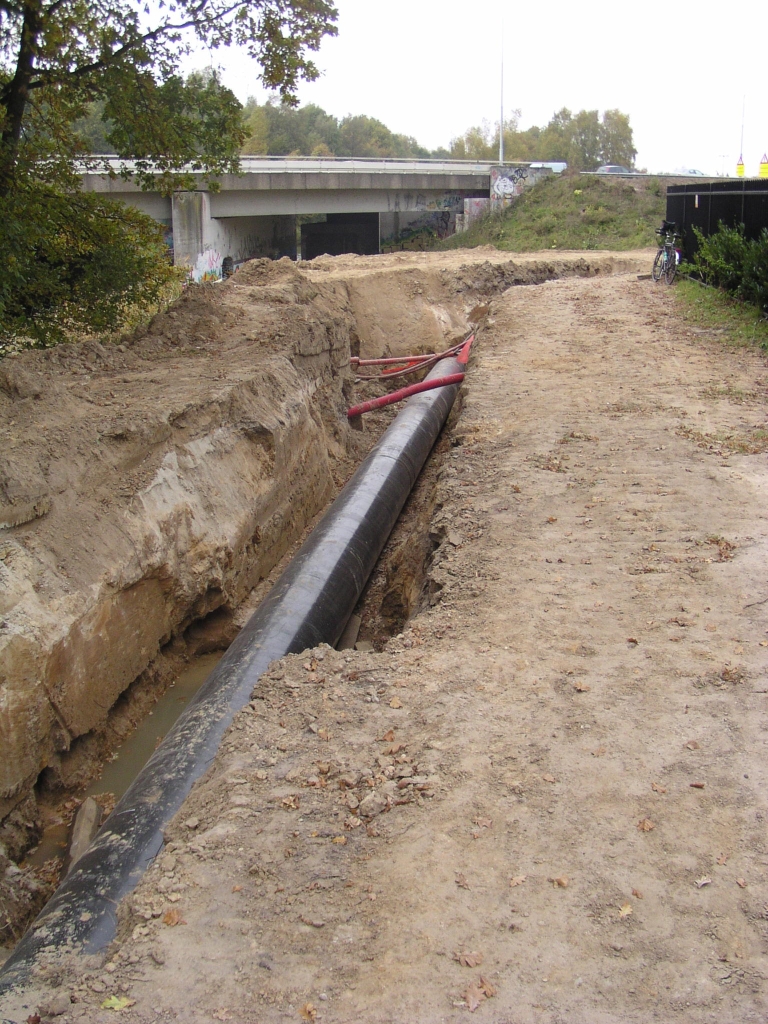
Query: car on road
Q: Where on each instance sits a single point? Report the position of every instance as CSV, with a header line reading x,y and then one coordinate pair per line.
x,y
613,169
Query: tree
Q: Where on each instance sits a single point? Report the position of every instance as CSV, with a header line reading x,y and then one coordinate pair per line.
x,y
62,61
616,140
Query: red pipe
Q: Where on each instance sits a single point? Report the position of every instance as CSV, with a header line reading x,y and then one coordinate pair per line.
x,y
398,396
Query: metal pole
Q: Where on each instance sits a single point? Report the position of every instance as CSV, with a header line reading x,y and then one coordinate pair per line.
x,y
501,119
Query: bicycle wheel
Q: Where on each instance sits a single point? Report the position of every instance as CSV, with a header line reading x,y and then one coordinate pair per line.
x,y
658,266
670,270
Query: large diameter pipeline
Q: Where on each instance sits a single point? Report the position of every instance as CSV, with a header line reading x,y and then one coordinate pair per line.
x,y
310,604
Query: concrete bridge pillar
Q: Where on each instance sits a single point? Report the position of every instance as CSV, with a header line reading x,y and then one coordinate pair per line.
x,y
202,242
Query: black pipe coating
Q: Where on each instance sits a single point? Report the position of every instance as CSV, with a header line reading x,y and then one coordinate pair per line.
x,y
309,605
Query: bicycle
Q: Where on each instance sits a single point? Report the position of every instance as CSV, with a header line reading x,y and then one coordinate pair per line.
x,y
668,257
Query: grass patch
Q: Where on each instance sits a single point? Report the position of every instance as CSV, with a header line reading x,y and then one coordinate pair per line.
x,y
729,319
573,212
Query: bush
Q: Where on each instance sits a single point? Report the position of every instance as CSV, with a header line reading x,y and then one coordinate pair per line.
x,y
735,264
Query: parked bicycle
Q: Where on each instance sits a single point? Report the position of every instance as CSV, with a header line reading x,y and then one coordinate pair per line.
x,y
668,257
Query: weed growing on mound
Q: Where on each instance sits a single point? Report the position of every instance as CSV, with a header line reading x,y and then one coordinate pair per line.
x,y
572,212
735,322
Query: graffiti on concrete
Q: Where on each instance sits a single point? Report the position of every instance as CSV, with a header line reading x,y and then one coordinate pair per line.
x,y
408,201
207,267
507,183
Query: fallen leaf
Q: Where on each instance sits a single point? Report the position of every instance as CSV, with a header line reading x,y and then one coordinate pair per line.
x,y
312,922
483,822
395,703
462,882
222,1014
33,1018
467,959
697,785
117,1003
723,858
763,643
741,883
581,687
637,894
645,825
173,917
632,640
625,910
692,745
561,882
308,1012
394,748
711,627
339,840
474,996
291,803
549,778
324,734
237,888
551,519
598,752
517,880
478,992
701,882
658,788
388,736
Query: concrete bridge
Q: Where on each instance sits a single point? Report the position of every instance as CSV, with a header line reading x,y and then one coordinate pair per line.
x,y
304,206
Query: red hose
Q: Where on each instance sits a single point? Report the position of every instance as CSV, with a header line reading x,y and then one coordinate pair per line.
x,y
398,396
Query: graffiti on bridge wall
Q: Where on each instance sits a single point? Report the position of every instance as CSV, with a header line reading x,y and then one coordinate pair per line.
x,y
406,202
207,267
506,184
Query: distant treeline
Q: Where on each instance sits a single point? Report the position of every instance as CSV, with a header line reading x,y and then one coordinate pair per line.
x,y
583,140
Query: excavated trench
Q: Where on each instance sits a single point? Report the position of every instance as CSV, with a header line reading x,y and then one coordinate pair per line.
x,y
152,490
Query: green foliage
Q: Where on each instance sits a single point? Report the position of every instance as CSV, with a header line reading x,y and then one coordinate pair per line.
x,y
735,264
566,212
79,77
729,319
583,141
277,129
75,263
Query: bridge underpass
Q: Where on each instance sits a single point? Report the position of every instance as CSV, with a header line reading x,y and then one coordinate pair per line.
x,y
303,207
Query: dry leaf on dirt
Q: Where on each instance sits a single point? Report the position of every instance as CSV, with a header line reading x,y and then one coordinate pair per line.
x,y
517,880
477,992
172,918
308,1012
692,745
291,803
561,882
117,1003
645,825
312,922
701,882
741,883
395,703
549,778
598,752
394,748
625,910
462,882
324,734
723,858
581,687
658,788
339,840
222,1014
632,640
483,822
388,736
697,785
637,894
33,1018
467,959
711,627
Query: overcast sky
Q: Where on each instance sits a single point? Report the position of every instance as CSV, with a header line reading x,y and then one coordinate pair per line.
x,y
431,69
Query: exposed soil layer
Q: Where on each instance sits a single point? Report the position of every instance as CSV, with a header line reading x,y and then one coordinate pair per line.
x,y
143,520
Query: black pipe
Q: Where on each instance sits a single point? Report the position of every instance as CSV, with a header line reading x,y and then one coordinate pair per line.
x,y
310,604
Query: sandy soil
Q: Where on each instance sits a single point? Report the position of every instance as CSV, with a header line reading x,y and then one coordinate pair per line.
x,y
545,801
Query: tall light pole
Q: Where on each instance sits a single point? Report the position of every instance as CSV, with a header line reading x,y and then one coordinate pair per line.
x,y
501,119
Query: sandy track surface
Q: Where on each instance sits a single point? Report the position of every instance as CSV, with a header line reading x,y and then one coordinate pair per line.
x,y
545,801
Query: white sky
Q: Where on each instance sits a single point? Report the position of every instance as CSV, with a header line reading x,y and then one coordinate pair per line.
x,y
431,69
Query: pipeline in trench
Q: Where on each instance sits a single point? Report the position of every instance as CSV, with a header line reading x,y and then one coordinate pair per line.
x,y
310,604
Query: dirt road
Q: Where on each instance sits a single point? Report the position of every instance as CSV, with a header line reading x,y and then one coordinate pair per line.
x,y
545,801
